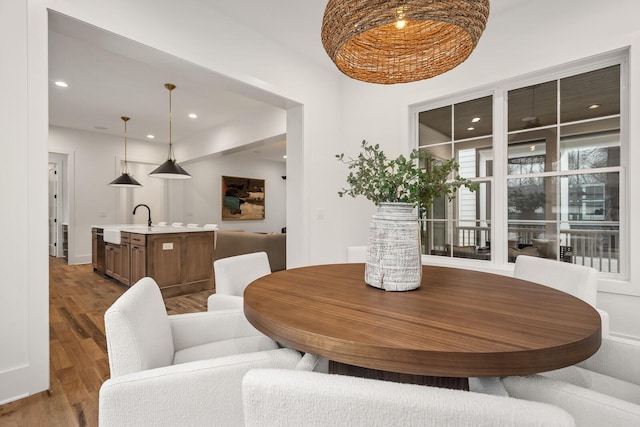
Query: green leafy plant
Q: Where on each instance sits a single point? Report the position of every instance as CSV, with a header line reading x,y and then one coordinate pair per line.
x,y
402,179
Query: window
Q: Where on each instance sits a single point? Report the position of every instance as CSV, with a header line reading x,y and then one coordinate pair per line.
x,y
463,132
559,182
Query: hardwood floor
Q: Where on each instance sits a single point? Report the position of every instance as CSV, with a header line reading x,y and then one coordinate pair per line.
x,y
78,298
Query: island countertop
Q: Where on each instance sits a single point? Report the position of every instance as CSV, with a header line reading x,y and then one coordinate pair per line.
x,y
154,229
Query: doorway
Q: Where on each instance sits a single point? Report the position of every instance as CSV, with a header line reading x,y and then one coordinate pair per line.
x,y
53,209
59,230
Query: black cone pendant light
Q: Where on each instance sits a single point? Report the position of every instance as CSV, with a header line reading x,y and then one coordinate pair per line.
x,y
170,169
125,180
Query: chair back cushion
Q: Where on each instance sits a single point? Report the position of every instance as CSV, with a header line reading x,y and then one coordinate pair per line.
x,y
604,384
284,398
617,358
223,348
588,407
233,274
138,331
577,280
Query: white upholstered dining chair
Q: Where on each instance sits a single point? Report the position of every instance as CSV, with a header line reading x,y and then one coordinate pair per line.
x,y
577,280
232,275
182,369
603,390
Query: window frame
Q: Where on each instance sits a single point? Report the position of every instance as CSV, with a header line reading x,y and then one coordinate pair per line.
x,y
498,181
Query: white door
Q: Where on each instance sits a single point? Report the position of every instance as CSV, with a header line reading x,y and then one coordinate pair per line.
x,y
53,209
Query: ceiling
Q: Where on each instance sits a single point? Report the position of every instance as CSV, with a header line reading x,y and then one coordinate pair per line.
x,y
110,76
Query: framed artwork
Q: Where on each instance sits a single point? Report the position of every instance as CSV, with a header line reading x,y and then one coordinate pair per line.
x,y
242,198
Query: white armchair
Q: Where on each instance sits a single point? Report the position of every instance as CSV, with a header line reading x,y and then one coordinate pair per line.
x,y
278,398
232,275
602,390
182,369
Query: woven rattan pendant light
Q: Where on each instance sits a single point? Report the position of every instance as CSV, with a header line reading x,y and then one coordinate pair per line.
x,y
170,169
394,41
125,180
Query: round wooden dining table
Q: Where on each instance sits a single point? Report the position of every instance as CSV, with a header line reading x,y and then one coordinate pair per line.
x,y
457,324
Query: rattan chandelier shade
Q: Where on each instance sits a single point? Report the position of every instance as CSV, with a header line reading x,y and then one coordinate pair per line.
x,y
363,38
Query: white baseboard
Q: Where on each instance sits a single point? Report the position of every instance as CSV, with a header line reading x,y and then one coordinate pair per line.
x,y
10,381
625,336
79,259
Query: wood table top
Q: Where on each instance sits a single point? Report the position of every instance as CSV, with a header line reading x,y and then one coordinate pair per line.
x,y
459,323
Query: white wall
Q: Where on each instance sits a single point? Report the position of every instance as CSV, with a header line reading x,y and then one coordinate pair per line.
x,y
530,37
194,32
202,196
24,306
97,159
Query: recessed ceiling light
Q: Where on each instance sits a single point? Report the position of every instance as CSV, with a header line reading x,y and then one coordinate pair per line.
x,y
284,157
193,115
471,128
594,106
475,120
60,83
151,136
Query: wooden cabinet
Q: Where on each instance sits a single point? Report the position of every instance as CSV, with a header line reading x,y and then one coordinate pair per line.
x,y
124,268
137,258
112,260
117,262
179,262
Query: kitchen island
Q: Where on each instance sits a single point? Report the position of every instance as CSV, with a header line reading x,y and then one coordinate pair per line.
x,y
179,259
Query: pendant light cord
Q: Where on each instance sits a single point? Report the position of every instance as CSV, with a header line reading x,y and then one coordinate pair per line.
x,y
126,164
171,88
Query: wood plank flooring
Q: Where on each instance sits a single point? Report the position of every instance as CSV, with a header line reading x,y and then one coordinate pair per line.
x,y
78,298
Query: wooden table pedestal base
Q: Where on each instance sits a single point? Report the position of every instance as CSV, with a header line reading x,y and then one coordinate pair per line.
x,y
357,371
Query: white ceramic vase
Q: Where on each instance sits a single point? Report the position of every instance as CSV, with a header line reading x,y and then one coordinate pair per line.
x,y
393,253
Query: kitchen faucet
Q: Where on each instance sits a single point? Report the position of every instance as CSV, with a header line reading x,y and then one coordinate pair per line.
x,y
137,206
